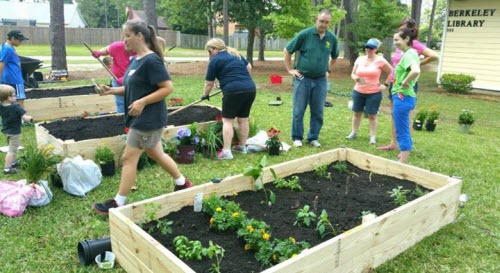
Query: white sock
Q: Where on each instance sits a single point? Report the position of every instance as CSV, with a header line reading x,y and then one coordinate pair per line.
x,y
180,181
120,200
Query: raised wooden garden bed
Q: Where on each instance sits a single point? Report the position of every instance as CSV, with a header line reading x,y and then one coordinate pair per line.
x,y
48,104
357,250
116,139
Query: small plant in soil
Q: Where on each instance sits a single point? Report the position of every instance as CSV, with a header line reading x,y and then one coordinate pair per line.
x,y
367,212
321,171
341,167
292,184
304,216
150,211
256,173
399,195
324,226
252,232
228,218
104,155
187,249
278,251
419,192
214,250
38,161
165,226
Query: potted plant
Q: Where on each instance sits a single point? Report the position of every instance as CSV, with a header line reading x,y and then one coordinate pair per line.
x,y
465,120
105,157
38,162
211,140
432,116
273,143
186,140
419,120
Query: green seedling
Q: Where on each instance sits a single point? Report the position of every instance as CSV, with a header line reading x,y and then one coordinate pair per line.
x,y
214,250
292,184
419,192
341,167
399,195
256,173
304,216
165,226
324,226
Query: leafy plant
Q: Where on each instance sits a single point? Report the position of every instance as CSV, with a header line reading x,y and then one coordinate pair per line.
x,y
187,136
466,117
256,173
227,218
165,226
421,116
432,115
214,250
212,202
253,127
278,251
341,167
188,250
104,154
304,216
324,226
457,83
292,184
211,139
273,140
322,171
38,162
399,195
254,232
419,192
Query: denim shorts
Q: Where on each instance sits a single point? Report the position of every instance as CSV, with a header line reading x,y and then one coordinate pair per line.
x,y
143,139
368,103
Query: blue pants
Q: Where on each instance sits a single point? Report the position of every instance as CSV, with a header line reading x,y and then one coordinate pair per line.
x,y
310,92
401,115
119,100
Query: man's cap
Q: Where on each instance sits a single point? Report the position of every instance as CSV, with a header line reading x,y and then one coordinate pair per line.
x,y
372,44
17,34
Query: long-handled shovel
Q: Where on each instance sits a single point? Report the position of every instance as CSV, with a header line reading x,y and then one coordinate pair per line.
x,y
193,103
105,67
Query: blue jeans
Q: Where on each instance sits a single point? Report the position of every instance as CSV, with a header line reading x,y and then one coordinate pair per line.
x,y
310,92
119,100
401,115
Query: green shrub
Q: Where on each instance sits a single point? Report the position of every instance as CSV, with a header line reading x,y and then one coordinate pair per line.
x,y
104,155
466,117
457,83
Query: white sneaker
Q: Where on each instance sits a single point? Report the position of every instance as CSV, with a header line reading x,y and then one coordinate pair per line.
x,y
315,144
224,155
373,140
351,136
297,143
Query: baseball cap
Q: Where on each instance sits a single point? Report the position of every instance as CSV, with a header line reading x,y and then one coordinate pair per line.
x,y
17,34
372,43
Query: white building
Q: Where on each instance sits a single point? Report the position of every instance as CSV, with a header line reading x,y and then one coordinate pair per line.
x,y
37,13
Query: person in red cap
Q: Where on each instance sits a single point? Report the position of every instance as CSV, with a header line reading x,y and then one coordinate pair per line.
x,y
10,65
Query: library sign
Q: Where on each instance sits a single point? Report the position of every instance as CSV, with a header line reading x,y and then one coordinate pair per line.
x,y
459,18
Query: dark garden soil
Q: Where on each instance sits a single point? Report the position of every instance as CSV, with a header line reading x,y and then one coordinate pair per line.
x,y
108,126
344,198
55,92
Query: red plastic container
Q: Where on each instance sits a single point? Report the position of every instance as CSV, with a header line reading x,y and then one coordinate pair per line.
x,y
276,79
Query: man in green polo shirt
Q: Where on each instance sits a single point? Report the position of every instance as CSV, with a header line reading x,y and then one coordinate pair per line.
x,y
316,45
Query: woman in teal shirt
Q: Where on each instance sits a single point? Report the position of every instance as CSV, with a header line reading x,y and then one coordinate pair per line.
x,y
403,94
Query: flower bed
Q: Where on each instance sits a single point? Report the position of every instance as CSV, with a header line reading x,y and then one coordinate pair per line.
x,y
48,104
361,248
81,136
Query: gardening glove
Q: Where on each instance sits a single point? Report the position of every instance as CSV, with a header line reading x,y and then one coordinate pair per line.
x,y
207,97
96,54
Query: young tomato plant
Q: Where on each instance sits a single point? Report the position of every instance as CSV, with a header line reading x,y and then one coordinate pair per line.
x,y
292,184
324,226
304,216
399,195
165,226
214,250
256,173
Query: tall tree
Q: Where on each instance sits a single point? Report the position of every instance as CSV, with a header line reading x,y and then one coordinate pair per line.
x,y
350,49
225,19
194,18
150,12
292,16
416,7
57,35
431,23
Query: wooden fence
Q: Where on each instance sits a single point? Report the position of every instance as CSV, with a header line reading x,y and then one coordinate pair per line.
x,y
104,36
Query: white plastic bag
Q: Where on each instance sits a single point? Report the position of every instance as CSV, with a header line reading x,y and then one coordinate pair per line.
x,y
79,176
42,195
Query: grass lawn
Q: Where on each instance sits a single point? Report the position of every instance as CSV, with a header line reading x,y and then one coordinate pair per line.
x,y
45,239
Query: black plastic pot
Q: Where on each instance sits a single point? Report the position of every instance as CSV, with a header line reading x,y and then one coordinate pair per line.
x,y
89,249
274,151
108,169
430,126
417,126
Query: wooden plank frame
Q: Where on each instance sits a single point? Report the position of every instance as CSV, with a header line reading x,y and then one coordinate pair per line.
x,y
86,148
358,250
68,106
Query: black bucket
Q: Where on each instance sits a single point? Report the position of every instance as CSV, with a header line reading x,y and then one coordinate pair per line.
x,y
89,249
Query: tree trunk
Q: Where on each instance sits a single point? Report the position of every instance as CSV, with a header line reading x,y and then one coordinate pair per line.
x,y
350,49
262,45
416,7
150,12
57,35
431,23
251,39
225,14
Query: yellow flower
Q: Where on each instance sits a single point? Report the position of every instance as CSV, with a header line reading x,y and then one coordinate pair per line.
x,y
293,255
212,220
235,194
266,236
250,228
219,209
274,257
292,240
262,231
247,247
235,215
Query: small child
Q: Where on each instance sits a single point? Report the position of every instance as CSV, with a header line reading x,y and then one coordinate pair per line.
x,y
11,114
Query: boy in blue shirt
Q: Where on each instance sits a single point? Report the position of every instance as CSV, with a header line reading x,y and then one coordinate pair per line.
x,y
10,65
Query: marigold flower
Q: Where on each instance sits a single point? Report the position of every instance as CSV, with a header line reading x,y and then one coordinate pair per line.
x,y
274,257
292,240
247,247
212,220
266,236
262,231
219,209
235,215
293,255
235,194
